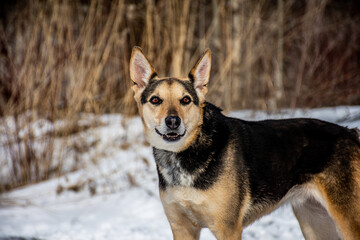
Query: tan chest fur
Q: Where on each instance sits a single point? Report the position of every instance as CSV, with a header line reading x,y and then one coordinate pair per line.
x,y
200,207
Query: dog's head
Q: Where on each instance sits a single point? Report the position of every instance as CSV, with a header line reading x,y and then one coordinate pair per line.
x,y
170,108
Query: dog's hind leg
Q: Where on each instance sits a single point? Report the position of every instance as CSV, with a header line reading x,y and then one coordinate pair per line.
x,y
340,187
346,217
315,222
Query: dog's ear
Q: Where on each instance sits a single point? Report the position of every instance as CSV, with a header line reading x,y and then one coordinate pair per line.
x,y
201,72
141,70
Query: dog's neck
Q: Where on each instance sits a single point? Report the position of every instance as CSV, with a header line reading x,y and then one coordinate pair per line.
x,y
188,167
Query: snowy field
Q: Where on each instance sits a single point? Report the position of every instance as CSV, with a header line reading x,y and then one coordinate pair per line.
x,y
114,195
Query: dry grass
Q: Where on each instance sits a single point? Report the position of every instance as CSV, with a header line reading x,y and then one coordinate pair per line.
x,y
62,57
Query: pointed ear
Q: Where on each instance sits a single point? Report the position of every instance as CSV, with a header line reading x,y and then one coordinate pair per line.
x,y
141,70
201,72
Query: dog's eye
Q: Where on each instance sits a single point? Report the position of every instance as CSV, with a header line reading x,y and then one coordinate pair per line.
x,y
185,100
155,100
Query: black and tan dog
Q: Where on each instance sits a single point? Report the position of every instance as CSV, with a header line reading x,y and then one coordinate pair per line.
x,y
224,173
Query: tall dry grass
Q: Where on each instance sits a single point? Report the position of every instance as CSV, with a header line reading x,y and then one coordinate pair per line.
x,y
60,57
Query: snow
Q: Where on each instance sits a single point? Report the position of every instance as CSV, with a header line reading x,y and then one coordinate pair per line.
x,y
114,194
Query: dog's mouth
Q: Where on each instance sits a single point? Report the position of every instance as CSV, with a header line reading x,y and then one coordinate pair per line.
x,y
170,136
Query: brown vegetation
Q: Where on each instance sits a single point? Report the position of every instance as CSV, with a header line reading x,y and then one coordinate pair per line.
x,y
62,57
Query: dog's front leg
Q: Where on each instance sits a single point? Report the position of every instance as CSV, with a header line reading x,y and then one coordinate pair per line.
x,y
185,231
225,232
182,227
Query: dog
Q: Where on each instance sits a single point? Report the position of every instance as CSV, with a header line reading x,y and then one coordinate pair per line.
x,y
224,173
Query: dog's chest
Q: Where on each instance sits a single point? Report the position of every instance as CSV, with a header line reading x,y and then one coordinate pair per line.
x,y
195,204
172,171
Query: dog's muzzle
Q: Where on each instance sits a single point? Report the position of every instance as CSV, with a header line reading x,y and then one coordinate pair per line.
x,y
170,136
172,133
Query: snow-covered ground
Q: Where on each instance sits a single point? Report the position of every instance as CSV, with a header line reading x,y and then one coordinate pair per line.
x,y
114,195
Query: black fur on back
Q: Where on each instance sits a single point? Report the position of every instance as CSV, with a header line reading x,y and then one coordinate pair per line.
x,y
283,153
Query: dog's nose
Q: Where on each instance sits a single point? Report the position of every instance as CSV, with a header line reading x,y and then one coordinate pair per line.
x,y
173,122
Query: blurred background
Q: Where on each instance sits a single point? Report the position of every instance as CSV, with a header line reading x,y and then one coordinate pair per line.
x,y
68,120
60,59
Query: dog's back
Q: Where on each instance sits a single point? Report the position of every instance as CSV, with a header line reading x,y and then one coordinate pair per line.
x,y
290,152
